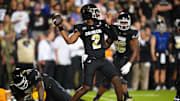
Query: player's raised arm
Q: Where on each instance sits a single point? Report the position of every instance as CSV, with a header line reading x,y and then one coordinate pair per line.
x,y
110,30
58,21
112,36
69,40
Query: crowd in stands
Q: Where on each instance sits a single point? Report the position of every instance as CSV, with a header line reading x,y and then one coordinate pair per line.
x,y
27,37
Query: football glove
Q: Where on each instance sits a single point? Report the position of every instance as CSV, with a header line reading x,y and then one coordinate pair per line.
x,y
126,68
57,19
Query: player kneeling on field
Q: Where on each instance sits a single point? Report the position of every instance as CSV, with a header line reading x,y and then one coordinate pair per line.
x,y
26,82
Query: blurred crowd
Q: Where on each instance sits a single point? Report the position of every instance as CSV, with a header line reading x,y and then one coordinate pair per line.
x,y
28,37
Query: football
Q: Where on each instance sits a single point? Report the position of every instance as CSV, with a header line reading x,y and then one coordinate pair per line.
x,y
57,19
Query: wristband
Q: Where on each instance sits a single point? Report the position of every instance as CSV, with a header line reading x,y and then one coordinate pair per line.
x,y
61,28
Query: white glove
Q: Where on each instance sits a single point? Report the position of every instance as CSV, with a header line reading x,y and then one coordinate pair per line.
x,y
126,68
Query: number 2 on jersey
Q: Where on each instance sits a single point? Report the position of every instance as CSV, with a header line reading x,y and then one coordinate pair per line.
x,y
96,39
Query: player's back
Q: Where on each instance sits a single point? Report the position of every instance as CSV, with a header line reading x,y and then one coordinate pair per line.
x,y
93,37
122,44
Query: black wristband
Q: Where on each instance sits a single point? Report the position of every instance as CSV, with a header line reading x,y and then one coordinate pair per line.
x,y
61,28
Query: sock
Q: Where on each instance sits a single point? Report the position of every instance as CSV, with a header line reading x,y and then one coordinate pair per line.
x,y
126,94
178,93
97,97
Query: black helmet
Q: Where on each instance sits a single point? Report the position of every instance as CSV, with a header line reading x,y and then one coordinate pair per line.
x,y
19,79
90,11
124,21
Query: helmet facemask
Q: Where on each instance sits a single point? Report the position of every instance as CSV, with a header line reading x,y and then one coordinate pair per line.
x,y
23,84
95,12
20,81
90,11
124,22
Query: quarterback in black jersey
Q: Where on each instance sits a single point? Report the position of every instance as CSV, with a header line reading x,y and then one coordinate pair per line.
x,y
176,53
28,81
126,47
92,33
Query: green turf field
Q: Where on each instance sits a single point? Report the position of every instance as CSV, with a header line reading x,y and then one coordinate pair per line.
x,y
137,96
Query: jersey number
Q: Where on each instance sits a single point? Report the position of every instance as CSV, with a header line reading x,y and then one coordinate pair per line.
x,y
120,46
96,39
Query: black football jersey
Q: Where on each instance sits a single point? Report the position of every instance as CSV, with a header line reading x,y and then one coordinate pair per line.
x,y
122,44
93,37
33,77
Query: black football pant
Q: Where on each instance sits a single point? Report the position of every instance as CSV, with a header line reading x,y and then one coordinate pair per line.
x,y
54,91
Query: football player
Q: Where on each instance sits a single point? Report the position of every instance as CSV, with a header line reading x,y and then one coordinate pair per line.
x,y
92,31
26,82
126,50
176,54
